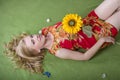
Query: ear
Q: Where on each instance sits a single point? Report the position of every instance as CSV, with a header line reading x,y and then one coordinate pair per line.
x,y
39,50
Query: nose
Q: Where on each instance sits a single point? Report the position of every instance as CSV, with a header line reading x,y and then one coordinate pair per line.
x,y
34,37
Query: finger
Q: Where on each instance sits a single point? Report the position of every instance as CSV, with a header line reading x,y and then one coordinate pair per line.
x,y
111,38
113,42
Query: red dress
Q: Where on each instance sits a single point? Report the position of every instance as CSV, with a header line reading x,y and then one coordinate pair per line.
x,y
79,40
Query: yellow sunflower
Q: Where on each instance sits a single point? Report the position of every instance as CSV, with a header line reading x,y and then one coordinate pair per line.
x,y
72,23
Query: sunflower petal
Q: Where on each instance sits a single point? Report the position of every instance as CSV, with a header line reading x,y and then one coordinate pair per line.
x,y
72,29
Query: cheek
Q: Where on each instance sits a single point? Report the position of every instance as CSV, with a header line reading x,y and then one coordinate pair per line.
x,y
41,43
38,46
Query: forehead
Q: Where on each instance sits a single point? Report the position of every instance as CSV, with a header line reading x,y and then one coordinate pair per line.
x,y
27,41
27,38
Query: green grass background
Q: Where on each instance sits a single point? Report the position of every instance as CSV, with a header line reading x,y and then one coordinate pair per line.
x,y
17,16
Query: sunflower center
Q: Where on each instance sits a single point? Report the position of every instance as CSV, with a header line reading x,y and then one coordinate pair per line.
x,y
71,22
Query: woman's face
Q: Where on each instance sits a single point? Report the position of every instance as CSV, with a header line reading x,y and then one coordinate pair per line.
x,y
35,42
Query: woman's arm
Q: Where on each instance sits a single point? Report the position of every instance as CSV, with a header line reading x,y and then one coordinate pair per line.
x,y
74,55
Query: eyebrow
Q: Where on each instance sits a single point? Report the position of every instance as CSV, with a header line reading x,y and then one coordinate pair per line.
x,y
32,40
31,36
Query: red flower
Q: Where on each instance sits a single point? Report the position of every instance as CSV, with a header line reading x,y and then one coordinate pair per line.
x,y
44,31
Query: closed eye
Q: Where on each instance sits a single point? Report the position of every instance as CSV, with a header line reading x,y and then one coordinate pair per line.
x,y
33,42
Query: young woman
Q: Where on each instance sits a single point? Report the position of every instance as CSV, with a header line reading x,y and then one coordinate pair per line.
x,y
29,50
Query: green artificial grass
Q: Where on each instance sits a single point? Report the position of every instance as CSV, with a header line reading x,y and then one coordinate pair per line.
x,y
17,16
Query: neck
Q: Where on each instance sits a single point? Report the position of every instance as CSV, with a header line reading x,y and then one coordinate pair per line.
x,y
49,41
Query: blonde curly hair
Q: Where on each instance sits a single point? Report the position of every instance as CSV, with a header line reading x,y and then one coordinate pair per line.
x,y
22,56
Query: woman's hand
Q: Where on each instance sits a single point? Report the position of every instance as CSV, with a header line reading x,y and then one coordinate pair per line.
x,y
108,39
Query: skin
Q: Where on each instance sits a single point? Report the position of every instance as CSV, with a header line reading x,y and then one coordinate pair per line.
x,y
111,11
35,42
42,42
74,55
39,41
106,6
